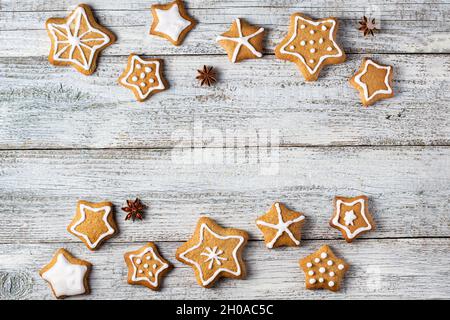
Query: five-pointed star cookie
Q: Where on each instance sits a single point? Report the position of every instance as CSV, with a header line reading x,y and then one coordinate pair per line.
x,y
171,21
242,41
373,81
146,267
66,275
311,44
77,40
351,216
214,252
143,76
323,270
281,226
93,223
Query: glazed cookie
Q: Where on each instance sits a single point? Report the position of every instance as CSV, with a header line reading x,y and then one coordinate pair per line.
x,y
281,226
146,267
323,270
242,41
311,44
66,275
93,223
351,216
77,40
373,81
171,21
214,252
144,77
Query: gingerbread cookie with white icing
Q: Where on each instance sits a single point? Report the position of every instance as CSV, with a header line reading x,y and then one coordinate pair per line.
x,y
281,226
311,45
351,216
144,77
171,21
146,266
323,270
66,275
77,40
93,223
214,252
242,41
373,81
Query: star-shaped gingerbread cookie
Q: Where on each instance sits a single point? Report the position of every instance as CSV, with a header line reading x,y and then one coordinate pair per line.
x,y
77,40
323,270
146,267
281,226
214,252
373,81
242,41
171,21
311,44
144,77
93,223
66,275
351,216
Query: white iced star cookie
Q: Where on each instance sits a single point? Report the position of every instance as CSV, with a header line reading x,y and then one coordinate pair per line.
x,y
214,252
66,275
171,21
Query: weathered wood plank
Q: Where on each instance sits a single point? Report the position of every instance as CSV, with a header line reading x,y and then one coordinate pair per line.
x,y
407,26
42,106
408,187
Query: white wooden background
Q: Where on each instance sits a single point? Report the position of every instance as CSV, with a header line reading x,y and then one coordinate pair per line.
x,y
65,136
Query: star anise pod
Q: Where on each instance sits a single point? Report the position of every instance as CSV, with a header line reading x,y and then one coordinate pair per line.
x,y
367,26
207,76
134,209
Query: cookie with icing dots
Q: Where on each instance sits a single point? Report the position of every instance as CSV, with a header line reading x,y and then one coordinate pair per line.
x,y
351,216
93,223
311,45
373,81
323,270
146,266
242,41
171,21
66,275
144,77
281,226
77,40
214,252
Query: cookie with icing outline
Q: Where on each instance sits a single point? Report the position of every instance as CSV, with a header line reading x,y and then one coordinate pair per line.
x,y
351,216
144,77
373,81
242,41
171,21
66,275
77,40
311,45
323,270
146,266
281,226
214,252
93,223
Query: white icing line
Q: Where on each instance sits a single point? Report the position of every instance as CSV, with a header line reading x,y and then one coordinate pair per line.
x,y
164,266
335,220
364,86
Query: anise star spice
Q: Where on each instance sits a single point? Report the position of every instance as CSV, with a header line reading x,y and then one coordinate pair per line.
x,y
367,26
207,76
134,209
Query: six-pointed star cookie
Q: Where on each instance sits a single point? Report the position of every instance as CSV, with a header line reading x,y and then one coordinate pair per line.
x,y
281,226
93,223
143,76
323,270
171,21
214,252
66,275
242,41
77,40
146,267
373,81
311,44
